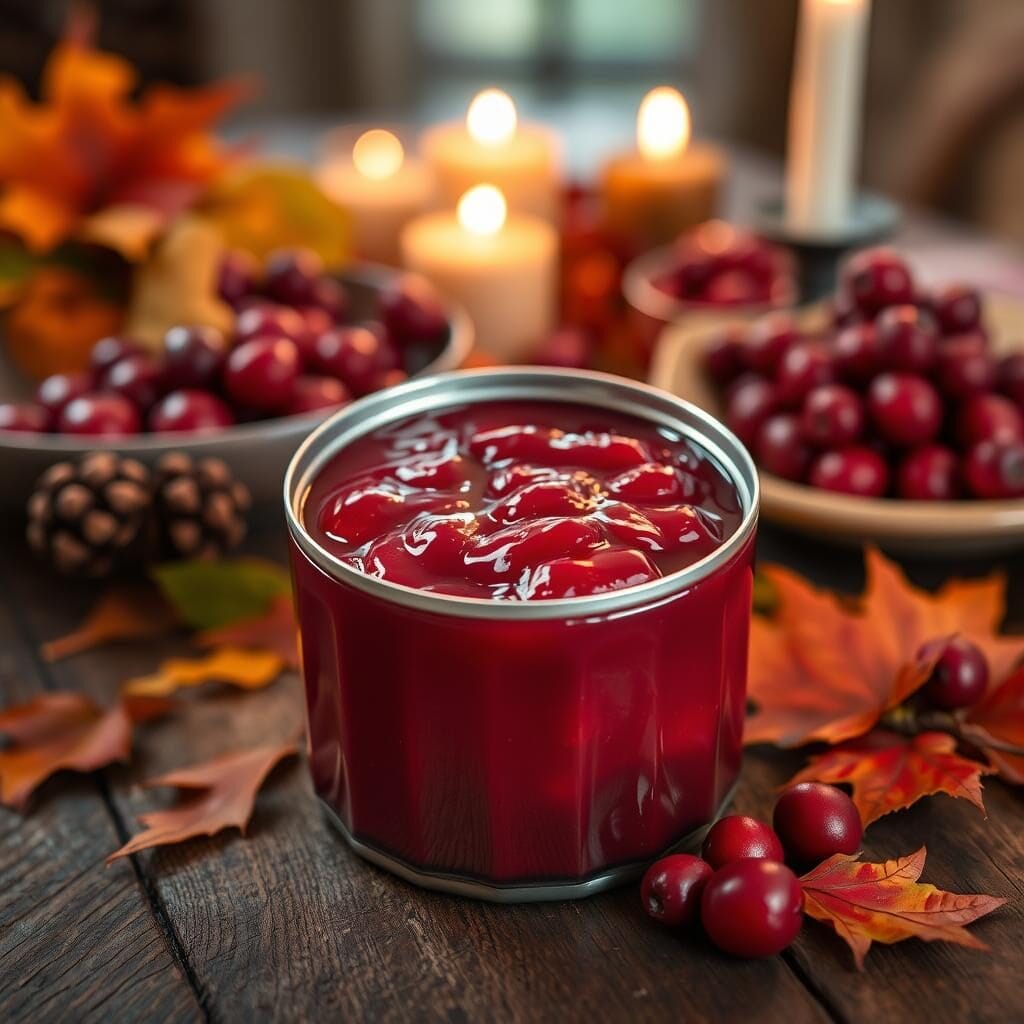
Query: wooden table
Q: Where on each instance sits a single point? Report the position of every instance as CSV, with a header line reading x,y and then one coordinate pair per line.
x,y
287,924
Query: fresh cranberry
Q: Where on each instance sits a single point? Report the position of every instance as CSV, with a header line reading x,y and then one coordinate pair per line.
x,y
236,277
57,390
855,353
736,837
815,822
724,356
960,676
833,416
311,393
989,418
929,473
108,351
845,312
752,908
780,447
261,372
189,410
266,321
733,287
100,415
138,378
329,296
748,405
906,339
569,348
290,276
356,355
768,340
854,470
995,469
876,278
957,309
802,368
905,409
672,887
1010,377
963,369
193,356
24,417
599,572
412,310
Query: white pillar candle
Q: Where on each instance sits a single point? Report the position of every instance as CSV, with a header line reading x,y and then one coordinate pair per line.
x,y
381,188
493,146
500,266
825,114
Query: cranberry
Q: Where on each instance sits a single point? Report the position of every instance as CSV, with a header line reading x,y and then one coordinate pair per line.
x,y
138,378
598,573
995,469
1010,377
957,309
780,447
816,821
672,887
568,347
733,287
989,418
236,277
929,473
506,553
291,275
748,405
876,278
855,353
905,408
57,390
724,356
311,393
357,355
803,367
960,676
412,310
189,410
193,357
329,296
768,340
100,415
24,417
736,837
964,369
833,416
261,372
906,339
854,470
266,321
651,483
752,908
108,351
845,312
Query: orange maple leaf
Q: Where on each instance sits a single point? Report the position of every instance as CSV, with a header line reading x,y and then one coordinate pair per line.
x,y
275,630
885,903
225,792
998,721
889,772
235,666
827,668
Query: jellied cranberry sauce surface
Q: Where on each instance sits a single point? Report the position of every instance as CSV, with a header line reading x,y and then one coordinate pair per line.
x,y
519,501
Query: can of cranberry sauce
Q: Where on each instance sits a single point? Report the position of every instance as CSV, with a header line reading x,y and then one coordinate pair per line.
x,y
524,599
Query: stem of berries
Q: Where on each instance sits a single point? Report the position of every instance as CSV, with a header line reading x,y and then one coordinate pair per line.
x,y
908,720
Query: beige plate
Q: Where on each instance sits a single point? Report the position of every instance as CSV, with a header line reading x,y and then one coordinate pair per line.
x,y
936,528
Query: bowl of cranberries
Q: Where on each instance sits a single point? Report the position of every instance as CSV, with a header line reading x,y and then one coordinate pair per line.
x,y
889,413
304,343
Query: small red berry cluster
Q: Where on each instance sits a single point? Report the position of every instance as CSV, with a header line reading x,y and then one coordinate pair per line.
x,y
740,889
292,351
901,397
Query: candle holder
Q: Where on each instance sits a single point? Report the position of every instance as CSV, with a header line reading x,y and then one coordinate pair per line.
x,y
819,253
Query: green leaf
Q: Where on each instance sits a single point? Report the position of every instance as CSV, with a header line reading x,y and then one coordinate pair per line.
x,y
207,595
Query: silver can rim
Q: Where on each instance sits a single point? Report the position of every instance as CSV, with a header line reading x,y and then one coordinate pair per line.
x,y
461,387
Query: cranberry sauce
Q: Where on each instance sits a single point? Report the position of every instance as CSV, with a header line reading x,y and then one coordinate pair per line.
x,y
518,501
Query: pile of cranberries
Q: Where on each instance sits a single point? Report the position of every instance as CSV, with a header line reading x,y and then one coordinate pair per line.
x,y
901,397
748,901
292,351
722,265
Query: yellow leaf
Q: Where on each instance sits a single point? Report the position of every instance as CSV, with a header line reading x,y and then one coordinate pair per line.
x,y
246,669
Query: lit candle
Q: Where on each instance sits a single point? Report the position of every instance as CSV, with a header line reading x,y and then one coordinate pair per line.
x,y
669,183
824,114
500,266
381,188
494,146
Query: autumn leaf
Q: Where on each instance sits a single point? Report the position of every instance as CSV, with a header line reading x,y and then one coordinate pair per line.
x,y
889,772
998,721
273,630
224,792
234,666
886,903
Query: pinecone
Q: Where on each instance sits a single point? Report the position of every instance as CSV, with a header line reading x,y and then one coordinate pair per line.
x,y
199,507
87,519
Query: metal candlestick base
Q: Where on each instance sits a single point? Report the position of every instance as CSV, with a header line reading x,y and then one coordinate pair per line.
x,y
818,254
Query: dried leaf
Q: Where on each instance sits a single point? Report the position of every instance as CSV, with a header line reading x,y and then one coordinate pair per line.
x,y
885,903
275,630
248,670
998,720
207,595
226,789
121,613
889,772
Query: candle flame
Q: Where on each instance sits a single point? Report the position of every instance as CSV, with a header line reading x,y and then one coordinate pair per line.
x,y
482,210
377,154
663,124
491,118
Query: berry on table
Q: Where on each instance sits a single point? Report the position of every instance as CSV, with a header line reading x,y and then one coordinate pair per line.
x,y
672,887
855,470
261,372
929,473
193,356
815,821
189,409
780,447
99,415
876,278
960,676
995,469
752,908
24,417
906,339
738,837
989,417
833,416
905,408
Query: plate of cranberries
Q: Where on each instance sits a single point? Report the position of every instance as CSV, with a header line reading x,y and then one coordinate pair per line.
x,y
304,343
888,413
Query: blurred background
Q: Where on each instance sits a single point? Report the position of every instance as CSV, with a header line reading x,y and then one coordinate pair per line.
x,y
944,113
